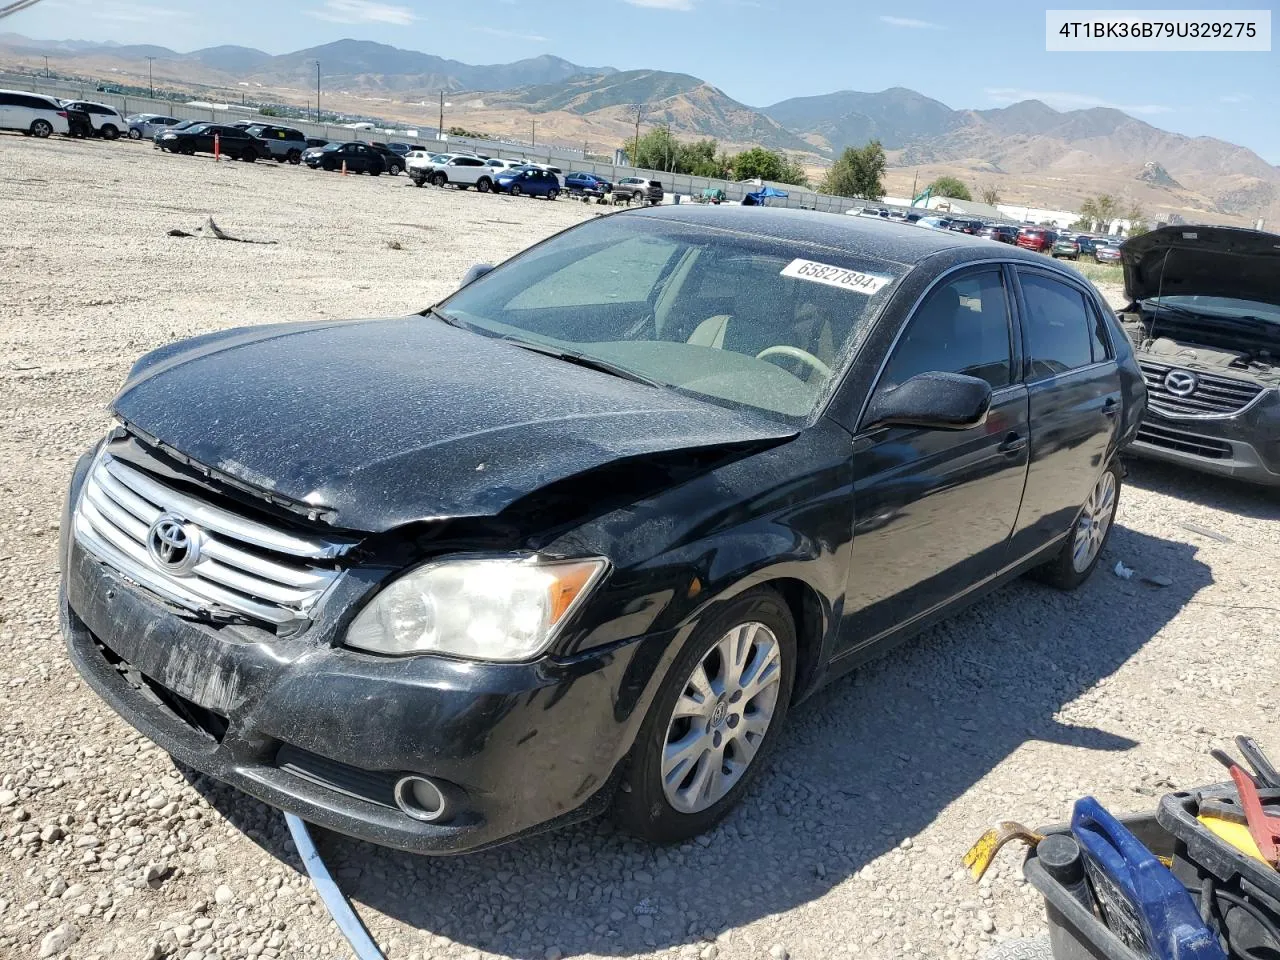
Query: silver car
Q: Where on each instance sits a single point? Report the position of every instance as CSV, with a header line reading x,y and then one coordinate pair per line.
x,y
145,126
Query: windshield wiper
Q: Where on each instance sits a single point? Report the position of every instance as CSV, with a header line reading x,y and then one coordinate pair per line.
x,y
582,360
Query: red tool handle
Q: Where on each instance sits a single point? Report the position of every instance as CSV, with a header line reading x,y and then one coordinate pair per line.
x,y
1264,829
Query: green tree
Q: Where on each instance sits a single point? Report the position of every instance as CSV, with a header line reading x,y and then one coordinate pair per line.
x,y
793,173
950,187
858,172
990,195
758,164
1137,220
269,111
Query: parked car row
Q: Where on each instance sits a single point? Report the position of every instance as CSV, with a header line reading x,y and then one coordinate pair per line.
x,y
38,115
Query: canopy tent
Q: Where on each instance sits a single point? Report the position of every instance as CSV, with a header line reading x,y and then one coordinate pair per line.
x,y
758,198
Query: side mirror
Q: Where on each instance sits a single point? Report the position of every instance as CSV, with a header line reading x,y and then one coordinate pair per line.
x,y
477,271
935,401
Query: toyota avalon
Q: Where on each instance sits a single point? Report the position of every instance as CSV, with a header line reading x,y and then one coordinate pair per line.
x,y
580,535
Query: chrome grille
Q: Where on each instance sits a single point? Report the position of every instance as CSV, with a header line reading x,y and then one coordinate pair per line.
x,y
1214,395
245,567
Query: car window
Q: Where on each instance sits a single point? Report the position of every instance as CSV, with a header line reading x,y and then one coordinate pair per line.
x,y
961,327
689,307
1059,325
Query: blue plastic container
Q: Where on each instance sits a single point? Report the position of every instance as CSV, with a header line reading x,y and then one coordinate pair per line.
x,y
1141,900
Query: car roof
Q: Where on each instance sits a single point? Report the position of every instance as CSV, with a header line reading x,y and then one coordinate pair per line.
x,y
874,237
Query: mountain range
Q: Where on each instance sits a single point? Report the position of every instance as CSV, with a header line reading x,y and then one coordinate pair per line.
x,y
1029,150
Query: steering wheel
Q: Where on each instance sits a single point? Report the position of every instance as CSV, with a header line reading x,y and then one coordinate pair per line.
x,y
795,353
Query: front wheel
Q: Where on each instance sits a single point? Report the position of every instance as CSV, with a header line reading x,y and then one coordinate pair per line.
x,y
713,722
439,179
294,157
41,128
135,134
394,169
484,184
109,131
249,155
1082,549
515,190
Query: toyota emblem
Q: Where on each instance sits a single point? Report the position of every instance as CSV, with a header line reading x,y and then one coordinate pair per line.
x,y
174,544
1181,383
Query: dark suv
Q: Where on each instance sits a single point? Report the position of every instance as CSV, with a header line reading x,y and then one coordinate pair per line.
x,y
637,538
280,143
999,231
1206,343
232,142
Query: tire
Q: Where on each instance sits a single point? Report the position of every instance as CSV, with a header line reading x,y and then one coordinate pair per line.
x,y
135,134
484,185
438,179
109,131
552,194
294,157
516,190
760,625
394,169
1090,533
375,173
249,155
41,128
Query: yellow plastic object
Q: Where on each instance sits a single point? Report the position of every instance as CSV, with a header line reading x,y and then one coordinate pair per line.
x,y
1236,834
980,855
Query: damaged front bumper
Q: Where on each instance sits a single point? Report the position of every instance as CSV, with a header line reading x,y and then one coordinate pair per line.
x,y
325,733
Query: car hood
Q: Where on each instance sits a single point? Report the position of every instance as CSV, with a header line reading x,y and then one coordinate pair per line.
x,y
378,423
1203,261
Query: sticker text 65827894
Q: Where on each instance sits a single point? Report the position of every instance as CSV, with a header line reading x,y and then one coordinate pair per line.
x,y
852,280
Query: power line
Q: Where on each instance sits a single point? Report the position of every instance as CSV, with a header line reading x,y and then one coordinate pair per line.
x,y
16,7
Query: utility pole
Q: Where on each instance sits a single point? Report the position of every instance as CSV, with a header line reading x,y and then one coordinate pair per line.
x,y
533,133
150,82
46,68
317,91
440,131
639,110
914,177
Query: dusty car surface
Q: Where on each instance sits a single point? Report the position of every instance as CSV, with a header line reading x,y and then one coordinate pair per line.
x,y
580,534
1204,316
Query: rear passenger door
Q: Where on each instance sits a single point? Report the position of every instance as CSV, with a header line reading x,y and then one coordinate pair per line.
x,y
934,509
1073,386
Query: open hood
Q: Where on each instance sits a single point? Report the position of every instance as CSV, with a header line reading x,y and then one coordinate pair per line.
x,y
379,423
1198,261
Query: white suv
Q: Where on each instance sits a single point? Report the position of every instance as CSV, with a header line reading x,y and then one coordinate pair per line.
x,y
458,169
33,113
107,122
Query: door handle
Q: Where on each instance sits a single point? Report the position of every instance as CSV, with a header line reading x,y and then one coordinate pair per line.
x,y
1110,406
1013,443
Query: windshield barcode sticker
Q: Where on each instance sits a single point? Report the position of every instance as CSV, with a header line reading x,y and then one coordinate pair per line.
x,y
811,270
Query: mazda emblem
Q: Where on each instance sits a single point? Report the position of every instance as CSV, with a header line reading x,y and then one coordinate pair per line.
x,y
1181,383
174,544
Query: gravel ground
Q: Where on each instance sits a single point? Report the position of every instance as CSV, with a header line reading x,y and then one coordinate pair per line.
x,y
850,844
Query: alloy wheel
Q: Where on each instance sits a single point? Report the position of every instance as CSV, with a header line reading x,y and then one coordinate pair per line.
x,y
721,717
1095,520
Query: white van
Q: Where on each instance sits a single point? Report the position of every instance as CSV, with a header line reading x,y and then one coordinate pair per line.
x,y
33,113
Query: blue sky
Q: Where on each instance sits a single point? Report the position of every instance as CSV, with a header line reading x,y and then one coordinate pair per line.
x,y
978,54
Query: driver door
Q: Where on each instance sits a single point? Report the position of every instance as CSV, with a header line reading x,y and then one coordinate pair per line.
x,y
934,509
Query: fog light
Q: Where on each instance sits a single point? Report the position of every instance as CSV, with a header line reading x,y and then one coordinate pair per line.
x,y
421,799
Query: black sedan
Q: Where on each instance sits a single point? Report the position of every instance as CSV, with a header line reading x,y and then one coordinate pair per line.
x,y
583,532
356,156
231,142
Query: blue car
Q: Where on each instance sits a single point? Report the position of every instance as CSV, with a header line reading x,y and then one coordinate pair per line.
x,y
530,181
587,183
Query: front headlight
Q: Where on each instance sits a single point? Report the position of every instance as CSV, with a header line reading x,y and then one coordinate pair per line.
x,y
497,608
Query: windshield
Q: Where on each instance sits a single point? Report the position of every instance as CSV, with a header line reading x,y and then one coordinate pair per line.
x,y
739,320
1225,307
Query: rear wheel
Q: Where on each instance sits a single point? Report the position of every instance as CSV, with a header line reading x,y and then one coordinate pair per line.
x,y
135,134
439,179
249,155
552,194
110,131
484,184
294,157
394,169
713,722
515,190
1083,547
41,128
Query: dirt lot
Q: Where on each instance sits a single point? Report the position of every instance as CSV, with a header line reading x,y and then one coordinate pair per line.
x,y
850,844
